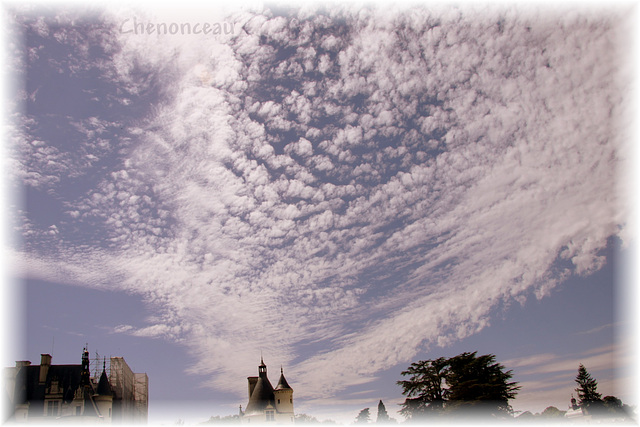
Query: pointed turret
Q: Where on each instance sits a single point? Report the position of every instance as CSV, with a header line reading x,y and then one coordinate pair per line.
x,y
282,383
104,394
284,399
104,387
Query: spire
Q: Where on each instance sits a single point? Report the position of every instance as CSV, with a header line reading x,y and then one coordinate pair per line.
x,y
85,376
282,383
262,368
104,387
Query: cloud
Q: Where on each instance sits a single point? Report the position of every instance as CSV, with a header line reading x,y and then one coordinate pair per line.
x,y
598,329
339,189
595,359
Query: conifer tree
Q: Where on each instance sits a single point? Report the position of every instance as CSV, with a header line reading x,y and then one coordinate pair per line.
x,y
363,417
587,388
383,416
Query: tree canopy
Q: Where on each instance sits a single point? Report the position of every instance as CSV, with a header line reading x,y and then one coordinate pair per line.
x,y
456,385
552,412
614,406
424,389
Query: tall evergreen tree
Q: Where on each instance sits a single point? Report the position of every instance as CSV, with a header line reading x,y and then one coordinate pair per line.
x,y
383,416
363,417
587,389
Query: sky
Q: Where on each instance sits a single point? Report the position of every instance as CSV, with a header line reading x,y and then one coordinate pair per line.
x,y
340,189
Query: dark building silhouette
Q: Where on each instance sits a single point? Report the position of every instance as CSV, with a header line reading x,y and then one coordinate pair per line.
x,y
267,404
68,393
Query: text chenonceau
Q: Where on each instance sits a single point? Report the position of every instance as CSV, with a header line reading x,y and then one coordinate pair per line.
x,y
132,26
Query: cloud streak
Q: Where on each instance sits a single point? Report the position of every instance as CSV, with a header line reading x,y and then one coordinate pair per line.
x,y
338,188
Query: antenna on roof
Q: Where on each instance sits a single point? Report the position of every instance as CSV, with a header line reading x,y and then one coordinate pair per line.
x,y
53,338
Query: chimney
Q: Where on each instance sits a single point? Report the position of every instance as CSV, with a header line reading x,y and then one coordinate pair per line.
x,y
45,362
21,363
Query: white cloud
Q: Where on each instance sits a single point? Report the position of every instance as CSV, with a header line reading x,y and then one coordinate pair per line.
x,y
435,165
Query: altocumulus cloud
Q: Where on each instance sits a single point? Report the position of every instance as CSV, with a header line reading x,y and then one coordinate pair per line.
x,y
339,188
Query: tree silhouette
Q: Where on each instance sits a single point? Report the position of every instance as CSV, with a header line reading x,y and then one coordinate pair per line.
x,y
456,385
552,412
383,416
424,390
363,417
478,382
614,406
588,396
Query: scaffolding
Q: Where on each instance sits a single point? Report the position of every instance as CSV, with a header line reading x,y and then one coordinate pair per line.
x,y
95,366
141,391
130,390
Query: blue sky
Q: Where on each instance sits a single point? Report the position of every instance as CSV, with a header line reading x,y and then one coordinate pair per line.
x,y
343,190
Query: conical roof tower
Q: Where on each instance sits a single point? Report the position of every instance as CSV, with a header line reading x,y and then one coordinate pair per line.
x,y
104,387
282,382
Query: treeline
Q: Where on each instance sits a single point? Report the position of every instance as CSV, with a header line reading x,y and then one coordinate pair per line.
x,y
477,388
468,387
